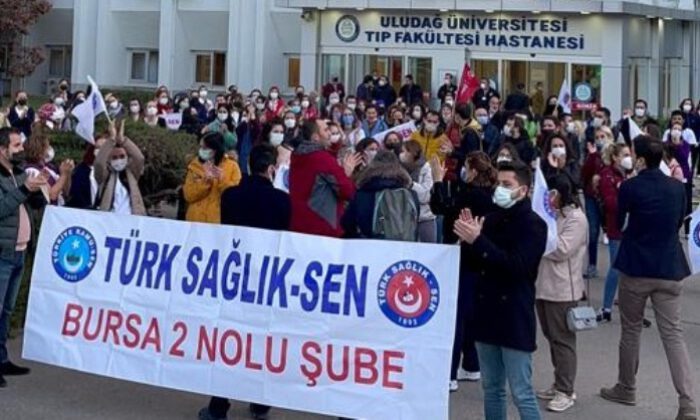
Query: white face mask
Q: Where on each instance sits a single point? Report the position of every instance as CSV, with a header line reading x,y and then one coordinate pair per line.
x,y
503,159
50,154
417,115
114,104
260,106
559,151
290,123
276,139
135,109
571,128
370,155
304,104
483,86
598,122
223,116
675,133
503,197
431,127
163,101
333,101
449,102
640,112
236,116
627,163
203,93
274,95
507,131
335,138
119,164
151,111
352,105
58,115
58,101
687,108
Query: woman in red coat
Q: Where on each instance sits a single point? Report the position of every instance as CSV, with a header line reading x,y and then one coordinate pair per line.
x,y
275,104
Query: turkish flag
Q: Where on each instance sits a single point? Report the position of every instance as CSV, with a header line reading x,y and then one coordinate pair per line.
x,y
468,84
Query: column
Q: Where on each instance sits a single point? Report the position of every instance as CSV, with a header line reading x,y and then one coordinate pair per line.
x,y
84,41
309,53
166,42
612,61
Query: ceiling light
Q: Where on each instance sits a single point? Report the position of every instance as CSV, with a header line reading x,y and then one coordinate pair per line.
x,y
536,12
585,13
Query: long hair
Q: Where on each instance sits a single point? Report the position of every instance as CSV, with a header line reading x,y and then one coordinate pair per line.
x,y
486,174
215,141
564,186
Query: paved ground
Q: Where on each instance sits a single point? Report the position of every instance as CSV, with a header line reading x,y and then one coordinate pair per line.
x,y
54,393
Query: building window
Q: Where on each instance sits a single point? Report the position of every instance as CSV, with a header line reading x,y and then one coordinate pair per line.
x,y
332,65
421,68
586,86
60,57
210,68
144,66
293,71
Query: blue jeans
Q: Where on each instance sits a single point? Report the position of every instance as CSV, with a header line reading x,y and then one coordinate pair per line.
x,y
10,278
499,364
594,219
612,278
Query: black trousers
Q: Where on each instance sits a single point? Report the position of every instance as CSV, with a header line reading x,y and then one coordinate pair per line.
x,y
464,342
218,407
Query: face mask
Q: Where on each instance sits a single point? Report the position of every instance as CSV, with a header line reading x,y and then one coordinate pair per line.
x,y
333,101
599,144
352,105
58,115
163,101
370,155
503,197
200,100
483,86
483,120
296,109
63,86
223,116
417,115
236,116
135,109
503,159
97,152
449,102
626,163
464,174
50,154
507,131
348,120
430,127
446,117
151,111
382,83
206,154
22,102
80,99
203,93
290,123
559,151
260,106
546,132
597,122
276,139
114,104
58,101
675,133
571,128
118,164
335,138
304,104
687,108
640,112
274,95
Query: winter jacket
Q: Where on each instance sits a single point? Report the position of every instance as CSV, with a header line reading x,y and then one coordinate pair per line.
x,y
526,151
318,189
560,276
204,196
450,197
430,143
506,257
23,124
385,95
12,195
610,180
422,177
256,203
571,169
106,177
275,111
358,219
81,188
653,205
481,98
411,94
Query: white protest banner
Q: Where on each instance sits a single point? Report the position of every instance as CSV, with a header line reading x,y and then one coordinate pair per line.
x,y
360,329
694,241
541,204
564,98
173,121
405,130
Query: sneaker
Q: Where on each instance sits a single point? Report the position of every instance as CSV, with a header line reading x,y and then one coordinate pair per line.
x,y
465,375
454,386
10,369
205,414
687,414
618,395
561,402
604,315
546,394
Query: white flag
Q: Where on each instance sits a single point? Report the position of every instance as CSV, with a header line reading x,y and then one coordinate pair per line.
x,y
405,130
173,121
694,241
541,205
565,97
86,112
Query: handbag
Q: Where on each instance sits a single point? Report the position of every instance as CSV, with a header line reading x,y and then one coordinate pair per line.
x,y
580,318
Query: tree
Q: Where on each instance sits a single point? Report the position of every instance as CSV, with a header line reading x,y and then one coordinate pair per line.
x,y
16,19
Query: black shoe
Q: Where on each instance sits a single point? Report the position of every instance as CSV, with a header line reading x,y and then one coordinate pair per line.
x,y
604,316
10,369
3,382
646,323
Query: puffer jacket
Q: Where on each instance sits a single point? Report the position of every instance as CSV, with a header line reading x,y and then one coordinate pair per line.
x,y
11,196
560,275
204,197
430,143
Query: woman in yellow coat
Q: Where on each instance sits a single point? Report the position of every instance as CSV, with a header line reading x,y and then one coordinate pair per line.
x,y
208,175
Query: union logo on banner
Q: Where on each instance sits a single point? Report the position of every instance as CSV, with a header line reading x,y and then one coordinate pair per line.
x,y
408,294
74,254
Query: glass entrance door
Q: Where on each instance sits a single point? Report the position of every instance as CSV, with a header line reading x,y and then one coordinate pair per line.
x,y
533,74
362,65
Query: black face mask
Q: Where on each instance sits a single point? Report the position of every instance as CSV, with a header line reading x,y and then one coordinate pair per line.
x,y
63,87
22,102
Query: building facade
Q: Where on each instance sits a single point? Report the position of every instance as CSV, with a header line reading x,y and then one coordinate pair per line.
x,y
610,51
177,43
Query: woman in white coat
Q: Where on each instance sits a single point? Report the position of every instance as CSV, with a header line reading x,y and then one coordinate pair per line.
x,y
413,160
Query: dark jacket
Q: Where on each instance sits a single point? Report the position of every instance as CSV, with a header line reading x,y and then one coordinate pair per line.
x,y
358,218
517,101
572,169
384,94
481,98
653,205
526,150
11,196
411,94
318,189
506,257
609,188
80,189
444,90
22,124
256,203
449,198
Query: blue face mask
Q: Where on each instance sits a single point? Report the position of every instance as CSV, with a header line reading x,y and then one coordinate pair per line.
x,y
348,120
503,197
296,109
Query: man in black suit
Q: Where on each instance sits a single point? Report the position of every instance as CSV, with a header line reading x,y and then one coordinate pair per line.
x,y
254,203
651,209
518,100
